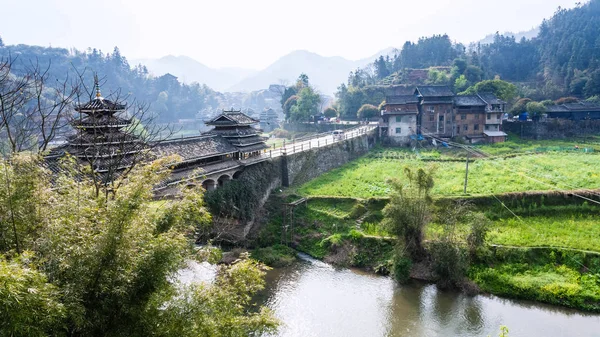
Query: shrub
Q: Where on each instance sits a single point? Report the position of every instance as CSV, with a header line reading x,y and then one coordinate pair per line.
x,y
450,263
401,266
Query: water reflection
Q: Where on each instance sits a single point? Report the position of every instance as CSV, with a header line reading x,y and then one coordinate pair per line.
x,y
315,299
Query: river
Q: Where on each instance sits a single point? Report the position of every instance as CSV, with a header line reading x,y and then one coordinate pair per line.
x,y
312,298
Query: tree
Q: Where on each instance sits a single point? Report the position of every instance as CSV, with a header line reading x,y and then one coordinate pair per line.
x,y
504,90
1,42
535,109
409,210
330,112
461,83
520,106
96,267
307,105
302,81
287,106
473,74
381,68
367,111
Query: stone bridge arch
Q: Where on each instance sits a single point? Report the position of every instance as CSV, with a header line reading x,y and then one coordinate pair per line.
x,y
223,179
209,184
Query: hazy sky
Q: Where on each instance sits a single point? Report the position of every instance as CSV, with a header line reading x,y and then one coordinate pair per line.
x,y
254,33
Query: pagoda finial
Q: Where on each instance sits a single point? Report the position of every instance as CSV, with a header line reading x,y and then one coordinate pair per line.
x,y
97,85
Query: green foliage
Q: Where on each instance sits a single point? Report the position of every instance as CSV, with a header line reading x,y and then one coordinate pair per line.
x,y
367,111
401,267
169,99
535,109
410,209
330,112
220,309
275,256
437,77
504,90
555,284
461,84
235,199
104,264
288,105
366,177
306,105
450,262
29,305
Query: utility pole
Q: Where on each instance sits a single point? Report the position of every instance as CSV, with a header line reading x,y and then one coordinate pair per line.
x,y
466,174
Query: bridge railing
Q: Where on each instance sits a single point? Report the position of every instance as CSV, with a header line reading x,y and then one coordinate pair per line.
x,y
316,141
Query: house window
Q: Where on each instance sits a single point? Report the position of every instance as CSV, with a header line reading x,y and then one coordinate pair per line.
x,y
487,127
463,117
441,118
489,116
431,118
398,119
476,116
466,127
398,131
431,109
498,116
476,127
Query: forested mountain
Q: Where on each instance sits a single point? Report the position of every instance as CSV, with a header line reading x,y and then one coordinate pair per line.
x,y
562,60
168,97
189,70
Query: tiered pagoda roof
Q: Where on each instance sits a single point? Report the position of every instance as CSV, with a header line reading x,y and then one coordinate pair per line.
x,y
103,137
236,128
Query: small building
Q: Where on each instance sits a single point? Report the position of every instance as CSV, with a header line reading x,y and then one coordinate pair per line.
x,y
268,120
494,136
435,110
399,118
236,128
574,111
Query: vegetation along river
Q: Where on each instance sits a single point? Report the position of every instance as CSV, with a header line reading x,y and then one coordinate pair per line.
x,y
312,298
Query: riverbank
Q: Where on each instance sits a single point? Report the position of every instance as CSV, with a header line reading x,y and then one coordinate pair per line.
x,y
348,232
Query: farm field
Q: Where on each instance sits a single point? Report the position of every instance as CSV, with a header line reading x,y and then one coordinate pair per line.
x,y
366,177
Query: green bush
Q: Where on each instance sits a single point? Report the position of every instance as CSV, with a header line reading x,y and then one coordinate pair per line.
x,y
275,256
401,267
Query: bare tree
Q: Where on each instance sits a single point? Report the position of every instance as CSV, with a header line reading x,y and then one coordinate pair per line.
x,y
33,109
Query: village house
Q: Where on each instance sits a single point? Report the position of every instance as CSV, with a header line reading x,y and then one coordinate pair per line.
x,y
435,111
574,111
399,118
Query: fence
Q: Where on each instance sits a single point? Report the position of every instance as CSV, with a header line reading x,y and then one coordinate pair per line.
x,y
315,141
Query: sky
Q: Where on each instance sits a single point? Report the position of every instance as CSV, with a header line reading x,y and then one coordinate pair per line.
x,y
254,33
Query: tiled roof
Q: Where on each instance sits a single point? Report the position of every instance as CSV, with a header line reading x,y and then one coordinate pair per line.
x,y
434,91
101,120
401,99
100,104
247,131
232,118
574,107
469,100
193,148
585,106
490,98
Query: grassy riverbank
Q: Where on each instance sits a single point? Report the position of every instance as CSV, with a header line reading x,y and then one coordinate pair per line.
x,y
348,232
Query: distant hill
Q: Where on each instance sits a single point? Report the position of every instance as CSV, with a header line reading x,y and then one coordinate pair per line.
x,y
325,73
189,70
530,34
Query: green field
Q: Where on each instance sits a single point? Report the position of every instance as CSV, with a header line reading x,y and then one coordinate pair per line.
x,y
366,177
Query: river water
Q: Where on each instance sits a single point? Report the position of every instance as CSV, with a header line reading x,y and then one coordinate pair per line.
x,y
312,298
